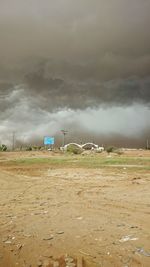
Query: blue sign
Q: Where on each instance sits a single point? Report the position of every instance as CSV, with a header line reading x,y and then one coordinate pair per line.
x,y
49,140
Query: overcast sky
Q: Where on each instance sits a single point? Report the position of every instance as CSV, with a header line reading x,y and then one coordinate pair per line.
x,y
82,65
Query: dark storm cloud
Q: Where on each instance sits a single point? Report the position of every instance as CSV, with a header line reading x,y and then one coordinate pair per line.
x,y
82,45
82,31
65,54
78,94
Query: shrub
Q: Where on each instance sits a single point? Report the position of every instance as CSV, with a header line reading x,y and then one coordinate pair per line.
x,y
110,149
74,149
119,152
29,148
3,147
36,148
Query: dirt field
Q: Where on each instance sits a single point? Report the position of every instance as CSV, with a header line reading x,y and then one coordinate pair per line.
x,y
89,210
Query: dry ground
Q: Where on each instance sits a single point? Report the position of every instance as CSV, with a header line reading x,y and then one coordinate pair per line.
x,y
95,210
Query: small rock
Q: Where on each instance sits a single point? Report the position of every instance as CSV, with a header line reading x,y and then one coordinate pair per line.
x,y
8,242
79,218
133,226
60,232
45,212
48,238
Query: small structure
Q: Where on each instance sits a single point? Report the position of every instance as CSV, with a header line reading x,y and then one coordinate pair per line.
x,y
89,146
86,146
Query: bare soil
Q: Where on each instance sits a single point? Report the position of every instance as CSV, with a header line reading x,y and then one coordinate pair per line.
x,y
100,217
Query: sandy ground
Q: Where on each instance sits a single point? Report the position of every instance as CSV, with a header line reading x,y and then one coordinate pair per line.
x,y
86,217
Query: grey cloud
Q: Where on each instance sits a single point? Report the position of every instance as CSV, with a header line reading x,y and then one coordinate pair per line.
x,y
51,94
122,126
72,55
79,94
80,30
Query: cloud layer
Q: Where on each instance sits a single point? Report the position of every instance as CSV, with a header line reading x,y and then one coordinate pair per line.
x,y
62,61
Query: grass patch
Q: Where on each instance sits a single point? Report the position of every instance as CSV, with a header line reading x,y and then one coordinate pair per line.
x,y
89,161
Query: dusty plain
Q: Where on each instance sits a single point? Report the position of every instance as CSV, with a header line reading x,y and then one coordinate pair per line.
x,y
90,210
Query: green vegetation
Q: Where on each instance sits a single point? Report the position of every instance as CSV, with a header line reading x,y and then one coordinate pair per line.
x,y
32,148
110,149
74,149
29,148
36,148
80,161
3,147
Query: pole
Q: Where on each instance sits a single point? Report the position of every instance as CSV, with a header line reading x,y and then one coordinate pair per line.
x,y
13,141
147,144
64,132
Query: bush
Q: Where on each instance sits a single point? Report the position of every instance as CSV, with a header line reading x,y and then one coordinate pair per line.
x,y
36,148
3,147
29,148
110,149
74,149
119,152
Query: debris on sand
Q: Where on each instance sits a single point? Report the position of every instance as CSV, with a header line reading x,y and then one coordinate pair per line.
x,y
19,246
86,254
70,262
143,252
128,238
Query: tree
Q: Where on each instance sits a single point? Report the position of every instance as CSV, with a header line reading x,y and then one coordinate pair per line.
x,y
3,147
